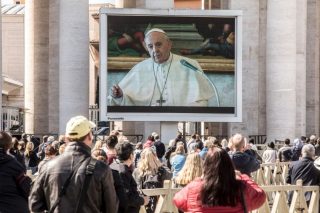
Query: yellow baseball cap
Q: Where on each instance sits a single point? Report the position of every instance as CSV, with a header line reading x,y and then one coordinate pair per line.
x,y
78,127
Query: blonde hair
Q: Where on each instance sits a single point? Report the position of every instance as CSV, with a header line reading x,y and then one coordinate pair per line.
x,y
149,162
98,145
208,143
238,142
180,148
191,169
29,148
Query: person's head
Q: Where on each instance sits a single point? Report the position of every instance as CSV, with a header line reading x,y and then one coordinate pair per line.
x,y
271,145
99,154
220,186
287,141
227,28
21,145
62,138
15,143
251,140
45,138
303,138
112,141
197,137
224,143
79,129
139,146
124,151
150,138
29,146
98,144
238,142
180,149
191,169
50,139
50,151
172,142
5,141
115,132
158,45
149,162
193,136
208,144
156,136
308,151
24,136
62,148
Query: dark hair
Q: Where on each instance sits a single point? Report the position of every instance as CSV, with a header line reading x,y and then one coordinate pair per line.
x,y
139,145
45,138
15,143
112,141
124,150
193,136
220,186
287,141
50,150
5,140
271,145
150,138
251,140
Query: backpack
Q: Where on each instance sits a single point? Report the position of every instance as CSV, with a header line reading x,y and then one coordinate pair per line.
x,y
154,181
296,153
287,154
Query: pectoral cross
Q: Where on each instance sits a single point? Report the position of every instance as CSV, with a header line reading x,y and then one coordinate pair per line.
x,y
161,101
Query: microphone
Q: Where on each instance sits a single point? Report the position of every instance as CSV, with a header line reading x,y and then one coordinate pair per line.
x,y
187,64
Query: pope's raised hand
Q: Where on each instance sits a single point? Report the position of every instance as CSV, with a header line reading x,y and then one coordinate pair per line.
x,y
116,91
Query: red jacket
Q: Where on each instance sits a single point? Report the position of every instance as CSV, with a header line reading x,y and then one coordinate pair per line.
x,y
189,200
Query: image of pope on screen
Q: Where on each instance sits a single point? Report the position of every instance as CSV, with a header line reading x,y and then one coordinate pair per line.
x,y
164,79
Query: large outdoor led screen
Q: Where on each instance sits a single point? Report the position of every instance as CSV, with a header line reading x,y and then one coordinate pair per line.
x,y
170,65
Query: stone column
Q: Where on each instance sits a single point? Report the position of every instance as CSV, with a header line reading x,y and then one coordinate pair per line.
x,y
250,67
73,60
262,67
54,47
301,26
57,64
281,69
36,66
312,72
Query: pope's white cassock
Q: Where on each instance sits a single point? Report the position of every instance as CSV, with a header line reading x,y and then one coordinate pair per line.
x,y
179,81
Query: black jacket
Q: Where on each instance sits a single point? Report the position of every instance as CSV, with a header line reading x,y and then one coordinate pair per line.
x,y
100,195
14,185
245,162
130,186
122,196
305,170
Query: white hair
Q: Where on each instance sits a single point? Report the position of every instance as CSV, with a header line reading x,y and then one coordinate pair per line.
x,y
308,150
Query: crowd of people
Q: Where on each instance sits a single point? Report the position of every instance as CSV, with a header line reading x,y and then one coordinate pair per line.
x,y
73,174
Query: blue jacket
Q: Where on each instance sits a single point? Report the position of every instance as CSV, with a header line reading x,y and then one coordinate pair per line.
x,y
245,162
177,162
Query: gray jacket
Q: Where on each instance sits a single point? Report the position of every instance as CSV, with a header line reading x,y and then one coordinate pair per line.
x,y
100,196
